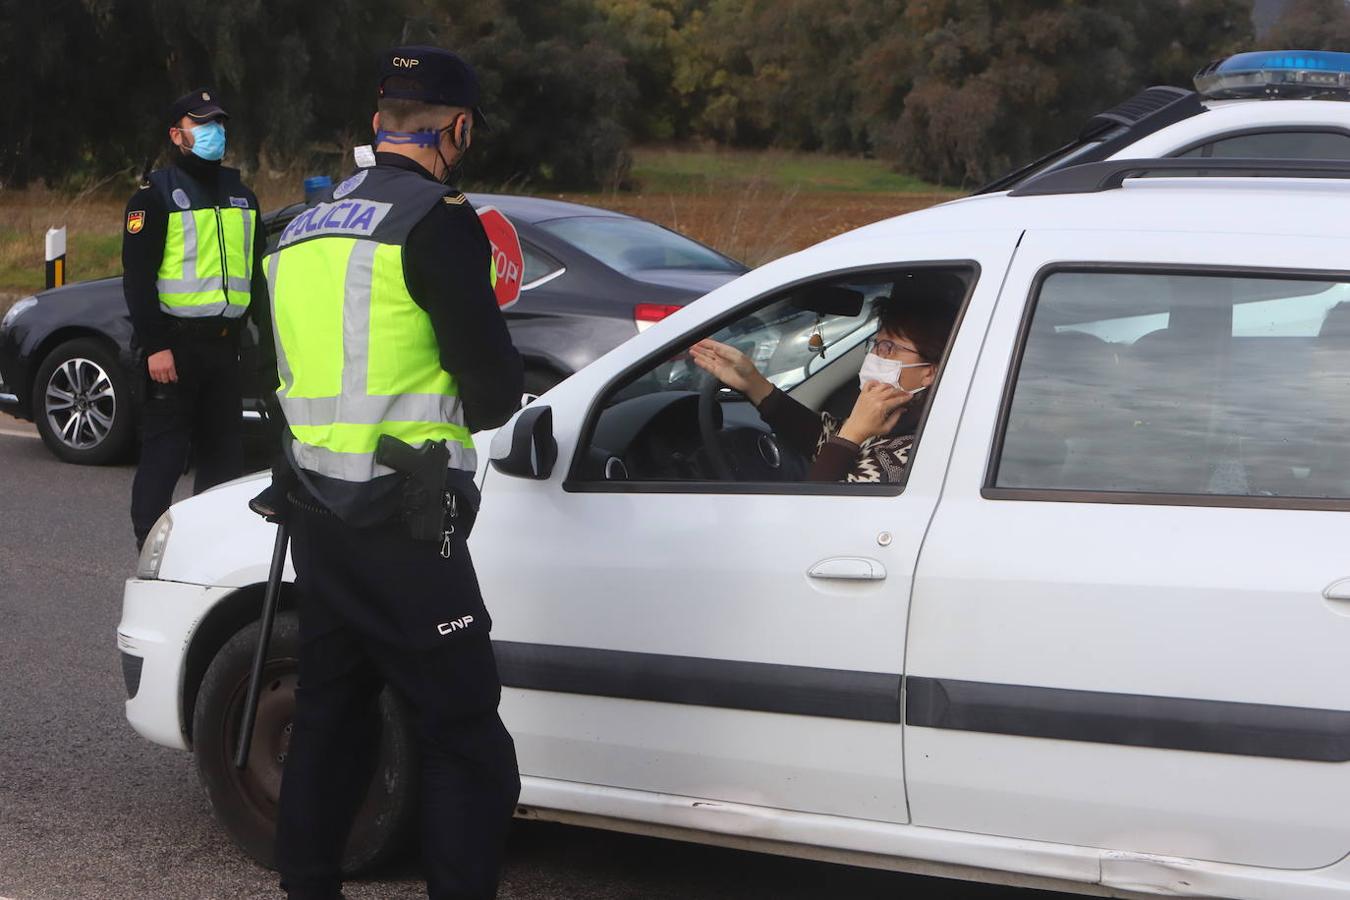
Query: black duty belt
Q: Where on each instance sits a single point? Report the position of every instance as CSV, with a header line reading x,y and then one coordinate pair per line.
x,y
203,329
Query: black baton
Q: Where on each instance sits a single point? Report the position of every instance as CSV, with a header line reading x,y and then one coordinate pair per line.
x,y
269,614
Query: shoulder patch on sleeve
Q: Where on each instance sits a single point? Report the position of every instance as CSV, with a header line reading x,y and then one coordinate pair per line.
x,y
135,220
456,199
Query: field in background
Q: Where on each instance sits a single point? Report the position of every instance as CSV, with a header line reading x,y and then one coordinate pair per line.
x,y
753,206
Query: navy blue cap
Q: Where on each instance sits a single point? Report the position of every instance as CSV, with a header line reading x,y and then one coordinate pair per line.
x,y
200,104
436,76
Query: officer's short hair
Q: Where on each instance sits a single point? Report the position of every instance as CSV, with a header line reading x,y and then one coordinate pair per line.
x,y
412,115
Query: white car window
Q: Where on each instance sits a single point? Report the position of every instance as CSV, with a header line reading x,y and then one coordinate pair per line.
x,y
1183,384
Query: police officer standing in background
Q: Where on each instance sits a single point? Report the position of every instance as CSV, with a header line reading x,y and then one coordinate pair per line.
x,y
386,324
191,254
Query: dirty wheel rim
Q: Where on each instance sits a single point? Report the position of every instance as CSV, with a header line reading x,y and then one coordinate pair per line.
x,y
81,404
259,784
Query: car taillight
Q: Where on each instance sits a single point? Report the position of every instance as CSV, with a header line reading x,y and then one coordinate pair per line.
x,y
645,315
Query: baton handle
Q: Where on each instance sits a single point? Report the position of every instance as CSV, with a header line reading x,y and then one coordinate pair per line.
x,y
269,614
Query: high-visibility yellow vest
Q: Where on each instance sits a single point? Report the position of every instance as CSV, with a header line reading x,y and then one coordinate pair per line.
x,y
207,265
357,356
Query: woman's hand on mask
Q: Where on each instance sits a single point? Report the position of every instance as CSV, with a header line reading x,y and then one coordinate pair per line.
x,y
731,367
876,412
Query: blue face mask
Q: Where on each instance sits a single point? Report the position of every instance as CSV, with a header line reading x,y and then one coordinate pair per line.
x,y
208,141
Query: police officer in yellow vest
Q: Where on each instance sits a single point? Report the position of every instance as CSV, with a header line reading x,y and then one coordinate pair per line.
x,y
386,324
191,255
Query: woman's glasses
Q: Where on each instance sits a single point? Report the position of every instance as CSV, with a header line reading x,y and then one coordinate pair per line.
x,y
887,348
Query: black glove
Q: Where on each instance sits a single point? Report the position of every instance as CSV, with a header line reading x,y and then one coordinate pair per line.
x,y
272,504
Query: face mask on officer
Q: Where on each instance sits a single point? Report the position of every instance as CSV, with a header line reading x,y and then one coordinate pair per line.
x,y
460,134
207,141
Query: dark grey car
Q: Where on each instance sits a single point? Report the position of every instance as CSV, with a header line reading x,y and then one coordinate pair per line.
x,y
593,278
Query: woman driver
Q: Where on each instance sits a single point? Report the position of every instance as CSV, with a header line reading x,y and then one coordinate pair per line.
x,y
873,443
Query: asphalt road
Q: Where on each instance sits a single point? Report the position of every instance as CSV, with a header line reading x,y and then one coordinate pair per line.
x,y
90,810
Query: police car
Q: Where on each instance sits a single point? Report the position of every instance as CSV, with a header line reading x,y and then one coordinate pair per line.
x,y
1095,641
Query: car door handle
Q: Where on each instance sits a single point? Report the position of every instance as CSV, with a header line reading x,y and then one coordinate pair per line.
x,y
1338,590
848,568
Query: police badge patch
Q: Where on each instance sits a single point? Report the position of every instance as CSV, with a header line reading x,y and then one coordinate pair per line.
x,y
180,198
135,221
349,185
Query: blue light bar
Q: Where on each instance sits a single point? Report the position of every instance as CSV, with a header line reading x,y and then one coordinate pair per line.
x,y
1290,74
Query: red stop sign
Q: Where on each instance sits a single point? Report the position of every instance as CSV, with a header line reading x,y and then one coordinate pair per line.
x,y
506,253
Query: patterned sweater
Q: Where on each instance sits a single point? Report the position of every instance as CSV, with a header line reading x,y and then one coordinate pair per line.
x,y
878,460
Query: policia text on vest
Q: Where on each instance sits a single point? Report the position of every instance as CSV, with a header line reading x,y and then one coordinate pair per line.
x,y
192,248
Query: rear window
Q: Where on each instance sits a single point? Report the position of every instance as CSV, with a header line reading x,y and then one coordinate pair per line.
x,y
636,245
1220,385
1276,145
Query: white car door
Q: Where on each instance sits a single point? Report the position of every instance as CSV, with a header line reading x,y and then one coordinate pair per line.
x,y
1131,622
671,638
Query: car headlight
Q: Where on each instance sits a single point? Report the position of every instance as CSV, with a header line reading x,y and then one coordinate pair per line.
x,y
15,311
152,551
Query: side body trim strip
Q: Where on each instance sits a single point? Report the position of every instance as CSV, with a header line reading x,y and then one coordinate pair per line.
x,y
1135,720
731,684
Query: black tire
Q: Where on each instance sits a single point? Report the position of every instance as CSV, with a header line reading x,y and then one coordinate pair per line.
x,y
537,381
96,428
245,803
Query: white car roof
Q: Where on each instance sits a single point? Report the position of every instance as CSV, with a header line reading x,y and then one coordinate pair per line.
x,y
1286,206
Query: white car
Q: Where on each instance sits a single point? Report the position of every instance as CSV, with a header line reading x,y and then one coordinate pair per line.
x,y
1098,640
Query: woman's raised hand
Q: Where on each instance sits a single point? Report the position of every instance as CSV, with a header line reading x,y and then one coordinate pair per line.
x,y
731,367
876,411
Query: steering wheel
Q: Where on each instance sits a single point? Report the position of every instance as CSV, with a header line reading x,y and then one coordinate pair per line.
x,y
710,429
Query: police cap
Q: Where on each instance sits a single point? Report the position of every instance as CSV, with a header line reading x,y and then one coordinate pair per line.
x,y
431,75
200,105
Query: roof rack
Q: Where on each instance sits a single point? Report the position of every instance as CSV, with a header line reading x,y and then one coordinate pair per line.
x,y
1107,132
1110,175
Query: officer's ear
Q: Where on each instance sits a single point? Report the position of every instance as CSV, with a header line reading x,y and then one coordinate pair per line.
x,y
463,133
375,124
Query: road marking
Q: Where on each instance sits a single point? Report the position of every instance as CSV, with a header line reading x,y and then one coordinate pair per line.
x,y
27,434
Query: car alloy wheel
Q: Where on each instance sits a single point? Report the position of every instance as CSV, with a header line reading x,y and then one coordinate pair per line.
x,y
81,405
81,399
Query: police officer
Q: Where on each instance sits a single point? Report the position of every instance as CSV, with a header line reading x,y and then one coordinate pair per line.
x,y
386,323
191,253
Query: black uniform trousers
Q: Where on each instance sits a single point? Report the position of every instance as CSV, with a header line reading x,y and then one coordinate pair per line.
x,y
377,608
199,413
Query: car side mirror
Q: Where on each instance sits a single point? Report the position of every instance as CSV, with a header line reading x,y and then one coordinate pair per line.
x,y
532,450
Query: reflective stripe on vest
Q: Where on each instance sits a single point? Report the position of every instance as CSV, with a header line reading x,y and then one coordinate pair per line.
x,y
195,279
357,358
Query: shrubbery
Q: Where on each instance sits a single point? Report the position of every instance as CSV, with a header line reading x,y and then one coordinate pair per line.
x,y
954,91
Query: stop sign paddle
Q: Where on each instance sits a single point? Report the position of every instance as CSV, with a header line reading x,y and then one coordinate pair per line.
x,y
506,254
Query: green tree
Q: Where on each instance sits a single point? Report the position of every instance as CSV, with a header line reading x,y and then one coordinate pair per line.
x,y
1312,25
998,83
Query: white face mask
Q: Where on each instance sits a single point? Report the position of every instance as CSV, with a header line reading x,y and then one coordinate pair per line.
x,y
887,371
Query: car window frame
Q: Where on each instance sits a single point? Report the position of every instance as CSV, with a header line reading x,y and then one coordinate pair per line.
x,y
1251,132
574,483
988,488
548,276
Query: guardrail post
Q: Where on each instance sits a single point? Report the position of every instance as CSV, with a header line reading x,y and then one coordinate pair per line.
x,y
56,257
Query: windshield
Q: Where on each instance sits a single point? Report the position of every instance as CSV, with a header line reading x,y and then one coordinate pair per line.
x,y
636,245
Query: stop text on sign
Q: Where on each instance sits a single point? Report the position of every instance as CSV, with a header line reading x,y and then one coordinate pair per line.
x,y
507,255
